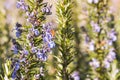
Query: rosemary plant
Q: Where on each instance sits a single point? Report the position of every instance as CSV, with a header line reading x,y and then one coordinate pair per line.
x,y
32,42
64,39
101,39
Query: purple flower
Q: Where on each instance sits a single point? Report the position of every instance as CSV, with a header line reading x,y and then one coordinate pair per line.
x,y
106,64
18,30
32,14
23,60
111,56
17,66
94,63
51,44
75,75
15,49
41,55
25,7
45,39
18,4
49,36
112,35
14,74
87,39
21,4
91,46
26,52
46,10
36,32
34,50
18,33
95,26
109,42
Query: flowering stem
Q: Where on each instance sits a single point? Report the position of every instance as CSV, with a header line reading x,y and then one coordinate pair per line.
x,y
33,42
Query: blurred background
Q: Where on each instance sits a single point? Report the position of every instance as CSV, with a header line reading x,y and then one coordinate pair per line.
x,y
9,15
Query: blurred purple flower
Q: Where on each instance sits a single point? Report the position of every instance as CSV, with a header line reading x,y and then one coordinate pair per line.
x,y
95,26
106,64
26,52
112,35
18,4
111,55
75,75
95,63
21,4
34,50
91,46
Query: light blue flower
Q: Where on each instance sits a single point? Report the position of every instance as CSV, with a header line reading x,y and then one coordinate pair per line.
x,y
18,4
18,33
41,56
95,63
51,44
106,64
34,50
15,49
36,32
111,56
26,52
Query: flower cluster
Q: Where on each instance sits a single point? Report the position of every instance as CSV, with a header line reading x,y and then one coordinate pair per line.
x,y
47,10
100,39
95,63
112,36
16,68
75,75
16,46
18,30
33,18
95,26
48,35
21,4
38,38
48,43
109,58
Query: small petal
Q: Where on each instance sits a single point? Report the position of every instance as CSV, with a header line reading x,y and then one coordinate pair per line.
x,y
51,44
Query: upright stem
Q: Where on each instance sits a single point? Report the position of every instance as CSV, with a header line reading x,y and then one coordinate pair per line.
x,y
64,37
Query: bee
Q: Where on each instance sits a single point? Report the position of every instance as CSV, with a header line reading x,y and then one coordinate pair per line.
x,y
103,43
52,32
